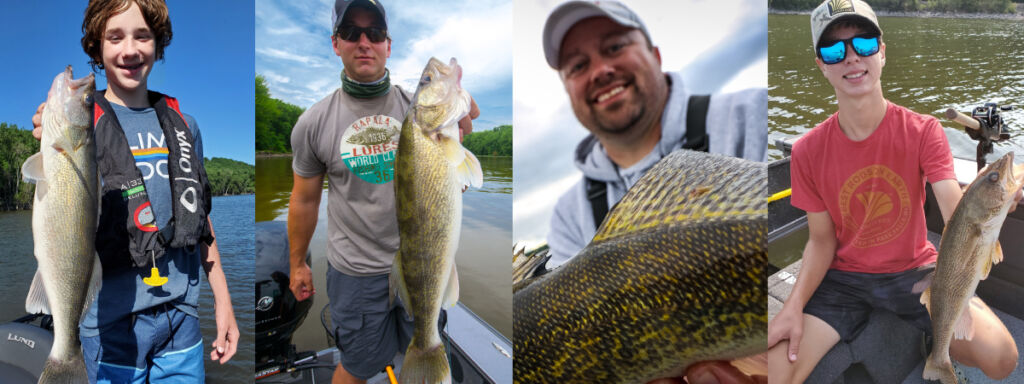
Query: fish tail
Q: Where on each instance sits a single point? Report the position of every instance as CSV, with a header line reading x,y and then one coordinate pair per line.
x,y
429,365
65,371
939,370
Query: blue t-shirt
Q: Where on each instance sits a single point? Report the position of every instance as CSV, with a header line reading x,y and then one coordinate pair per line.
x,y
123,291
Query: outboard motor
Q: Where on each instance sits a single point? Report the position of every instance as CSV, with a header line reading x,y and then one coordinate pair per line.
x,y
24,346
278,313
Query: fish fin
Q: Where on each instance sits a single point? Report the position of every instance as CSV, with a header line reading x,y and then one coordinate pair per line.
x,y
451,295
32,169
71,370
397,284
964,326
939,371
926,297
453,151
923,284
469,171
95,283
428,365
36,301
997,254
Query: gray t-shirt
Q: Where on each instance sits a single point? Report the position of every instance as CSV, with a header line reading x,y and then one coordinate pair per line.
x,y
123,291
354,141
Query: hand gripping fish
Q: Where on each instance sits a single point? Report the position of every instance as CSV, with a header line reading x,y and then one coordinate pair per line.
x,y
432,168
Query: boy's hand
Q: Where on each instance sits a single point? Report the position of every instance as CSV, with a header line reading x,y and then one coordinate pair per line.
x,y
226,344
37,122
787,325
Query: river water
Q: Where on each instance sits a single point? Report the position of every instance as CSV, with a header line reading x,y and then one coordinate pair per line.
x,y
233,222
482,260
931,64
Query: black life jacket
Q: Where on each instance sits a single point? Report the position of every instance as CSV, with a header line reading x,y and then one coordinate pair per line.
x,y
127,224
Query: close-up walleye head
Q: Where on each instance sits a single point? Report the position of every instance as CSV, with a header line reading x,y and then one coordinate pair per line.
x,y
68,111
440,101
996,185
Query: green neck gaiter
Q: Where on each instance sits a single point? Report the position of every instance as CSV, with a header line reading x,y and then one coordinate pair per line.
x,y
366,90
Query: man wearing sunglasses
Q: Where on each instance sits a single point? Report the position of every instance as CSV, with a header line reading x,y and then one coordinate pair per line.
x,y
860,175
332,138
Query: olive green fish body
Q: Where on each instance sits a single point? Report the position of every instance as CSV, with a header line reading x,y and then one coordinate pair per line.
x,y
432,168
675,275
968,249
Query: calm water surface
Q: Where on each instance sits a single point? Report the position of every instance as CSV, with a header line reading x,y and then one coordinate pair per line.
x,y
483,265
233,222
931,64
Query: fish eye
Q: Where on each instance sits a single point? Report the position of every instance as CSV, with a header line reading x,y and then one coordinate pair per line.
x,y
426,79
993,177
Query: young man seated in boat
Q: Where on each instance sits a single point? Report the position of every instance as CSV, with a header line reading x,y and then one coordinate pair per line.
x,y
860,175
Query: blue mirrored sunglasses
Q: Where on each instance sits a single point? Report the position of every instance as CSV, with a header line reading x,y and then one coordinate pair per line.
x,y
834,51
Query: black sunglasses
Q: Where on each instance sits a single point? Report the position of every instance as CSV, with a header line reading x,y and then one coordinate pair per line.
x,y
352,33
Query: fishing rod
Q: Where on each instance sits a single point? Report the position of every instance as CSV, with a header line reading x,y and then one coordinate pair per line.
x,y
985,125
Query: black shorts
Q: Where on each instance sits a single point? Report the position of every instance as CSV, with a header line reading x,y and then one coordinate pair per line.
x,y
844,300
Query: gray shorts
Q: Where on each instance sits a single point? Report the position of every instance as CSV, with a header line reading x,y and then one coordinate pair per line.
x,y
368,331
844,300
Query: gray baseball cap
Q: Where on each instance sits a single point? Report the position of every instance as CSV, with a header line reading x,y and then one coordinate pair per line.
x,y
565,16
831,11
342,6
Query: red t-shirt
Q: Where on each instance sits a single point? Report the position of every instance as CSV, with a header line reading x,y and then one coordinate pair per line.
x,y
874,189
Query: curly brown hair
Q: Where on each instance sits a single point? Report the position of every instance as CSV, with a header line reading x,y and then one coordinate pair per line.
x,y
99,11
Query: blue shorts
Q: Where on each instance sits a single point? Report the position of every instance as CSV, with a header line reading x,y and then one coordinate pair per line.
x,y
368,331
159,345
844,300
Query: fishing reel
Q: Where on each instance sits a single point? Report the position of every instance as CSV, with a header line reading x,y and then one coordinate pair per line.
x,y
984,125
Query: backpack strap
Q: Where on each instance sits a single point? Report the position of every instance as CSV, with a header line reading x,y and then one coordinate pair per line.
x,y
696,123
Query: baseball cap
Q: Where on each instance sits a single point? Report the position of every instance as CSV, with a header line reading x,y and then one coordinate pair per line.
x,y
342,6
565,16
831,11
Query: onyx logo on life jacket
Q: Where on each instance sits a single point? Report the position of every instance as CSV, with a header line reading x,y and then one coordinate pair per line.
x,y
127,221
188,198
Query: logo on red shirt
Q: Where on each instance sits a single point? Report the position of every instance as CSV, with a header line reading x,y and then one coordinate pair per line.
x,y
875,204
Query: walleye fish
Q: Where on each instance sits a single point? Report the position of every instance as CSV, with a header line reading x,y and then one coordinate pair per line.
x,y
64,215
432,168
675,275
967,251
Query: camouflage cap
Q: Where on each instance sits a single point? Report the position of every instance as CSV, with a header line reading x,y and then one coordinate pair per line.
x,y
563,18
831,11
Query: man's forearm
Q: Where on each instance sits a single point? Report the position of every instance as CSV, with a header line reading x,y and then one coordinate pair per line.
x,y
302,217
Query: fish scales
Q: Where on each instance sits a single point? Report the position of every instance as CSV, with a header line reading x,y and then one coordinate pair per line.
x,y
431,170
967,251
64,221
675,275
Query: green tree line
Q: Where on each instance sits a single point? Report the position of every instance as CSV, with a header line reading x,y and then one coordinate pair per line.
x,y
274,120
16,145
230,177
960,6
227,177
495,142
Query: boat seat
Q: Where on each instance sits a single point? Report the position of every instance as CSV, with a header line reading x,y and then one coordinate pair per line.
x,y
860,360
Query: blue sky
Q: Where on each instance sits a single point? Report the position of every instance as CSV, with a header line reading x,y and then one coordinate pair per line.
x,y
293,49
208,65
